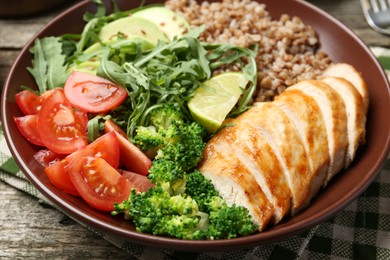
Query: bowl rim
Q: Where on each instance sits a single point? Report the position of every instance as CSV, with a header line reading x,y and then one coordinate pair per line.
x,y
202,245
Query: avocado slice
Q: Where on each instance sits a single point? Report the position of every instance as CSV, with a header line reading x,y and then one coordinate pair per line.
x,y
132,27
169,22
89,61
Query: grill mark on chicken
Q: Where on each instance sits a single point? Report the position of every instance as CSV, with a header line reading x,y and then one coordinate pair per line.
x,y
282,136
306,116
257,155
333,110
356,119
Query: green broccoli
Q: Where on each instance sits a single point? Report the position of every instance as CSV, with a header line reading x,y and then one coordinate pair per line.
x,y
148,138
159,213
200,189
230,222
225,221
171,137
169,174
162,116
165,171
183,144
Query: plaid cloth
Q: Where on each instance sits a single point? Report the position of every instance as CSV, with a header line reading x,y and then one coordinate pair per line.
x,y
361,231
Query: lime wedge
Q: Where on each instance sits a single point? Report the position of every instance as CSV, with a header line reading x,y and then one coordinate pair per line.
x,y
214,100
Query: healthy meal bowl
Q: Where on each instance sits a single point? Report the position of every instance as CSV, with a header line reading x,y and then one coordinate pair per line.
x,y
198,126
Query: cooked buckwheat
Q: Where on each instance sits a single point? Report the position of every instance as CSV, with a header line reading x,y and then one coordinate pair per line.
x,y
288,49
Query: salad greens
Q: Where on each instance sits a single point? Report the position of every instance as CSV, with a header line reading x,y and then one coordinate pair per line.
x,y
171,73
48,68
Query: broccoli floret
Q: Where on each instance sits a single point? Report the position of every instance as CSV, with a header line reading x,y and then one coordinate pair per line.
x,y
171,137
200,189
225,221
159,213
230,222
165,171
169,174
183,144
148,138
162,117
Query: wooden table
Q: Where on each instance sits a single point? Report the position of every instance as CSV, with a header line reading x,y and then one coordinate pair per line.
x,y
30,229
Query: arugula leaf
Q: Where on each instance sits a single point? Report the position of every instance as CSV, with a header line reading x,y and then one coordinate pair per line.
x,y
48,70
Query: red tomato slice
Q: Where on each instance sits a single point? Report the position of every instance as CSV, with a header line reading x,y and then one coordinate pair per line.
x,y
59,129
105,147
93,94
109,126
59,177
98,183
46,157
130,155
139,182
82,118
28,102
28,127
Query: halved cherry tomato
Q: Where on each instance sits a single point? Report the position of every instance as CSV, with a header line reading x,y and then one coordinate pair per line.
x,y
105,147
59,128
59,177
28,102
98,183
28,127
139,182
45,157
109,126
130,155
93,94
82,118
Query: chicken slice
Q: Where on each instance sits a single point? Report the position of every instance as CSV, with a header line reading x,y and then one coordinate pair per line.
x,y
356,118
234,182
284,139
256,154
334,113
348,72
306,116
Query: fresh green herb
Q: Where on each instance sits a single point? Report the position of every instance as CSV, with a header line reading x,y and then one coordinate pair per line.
x,y
171,73
49,69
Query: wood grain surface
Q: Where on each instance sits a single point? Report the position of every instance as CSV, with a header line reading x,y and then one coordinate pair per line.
x,y
29,229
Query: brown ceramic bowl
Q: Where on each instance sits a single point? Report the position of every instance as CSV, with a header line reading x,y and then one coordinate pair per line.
x,y
338,41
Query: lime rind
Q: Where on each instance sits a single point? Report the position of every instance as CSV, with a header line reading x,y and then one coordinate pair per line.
x,y
214,100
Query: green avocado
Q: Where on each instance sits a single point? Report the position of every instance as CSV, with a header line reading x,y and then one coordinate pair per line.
x,y
169,22
132,27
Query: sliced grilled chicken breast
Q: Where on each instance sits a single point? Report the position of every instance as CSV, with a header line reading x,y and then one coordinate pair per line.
x,y
234,182
348,72
356,118
334,113
276,156
284,139
304,112
253,150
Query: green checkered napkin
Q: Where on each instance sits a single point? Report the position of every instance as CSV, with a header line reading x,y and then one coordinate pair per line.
x,y
361,231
